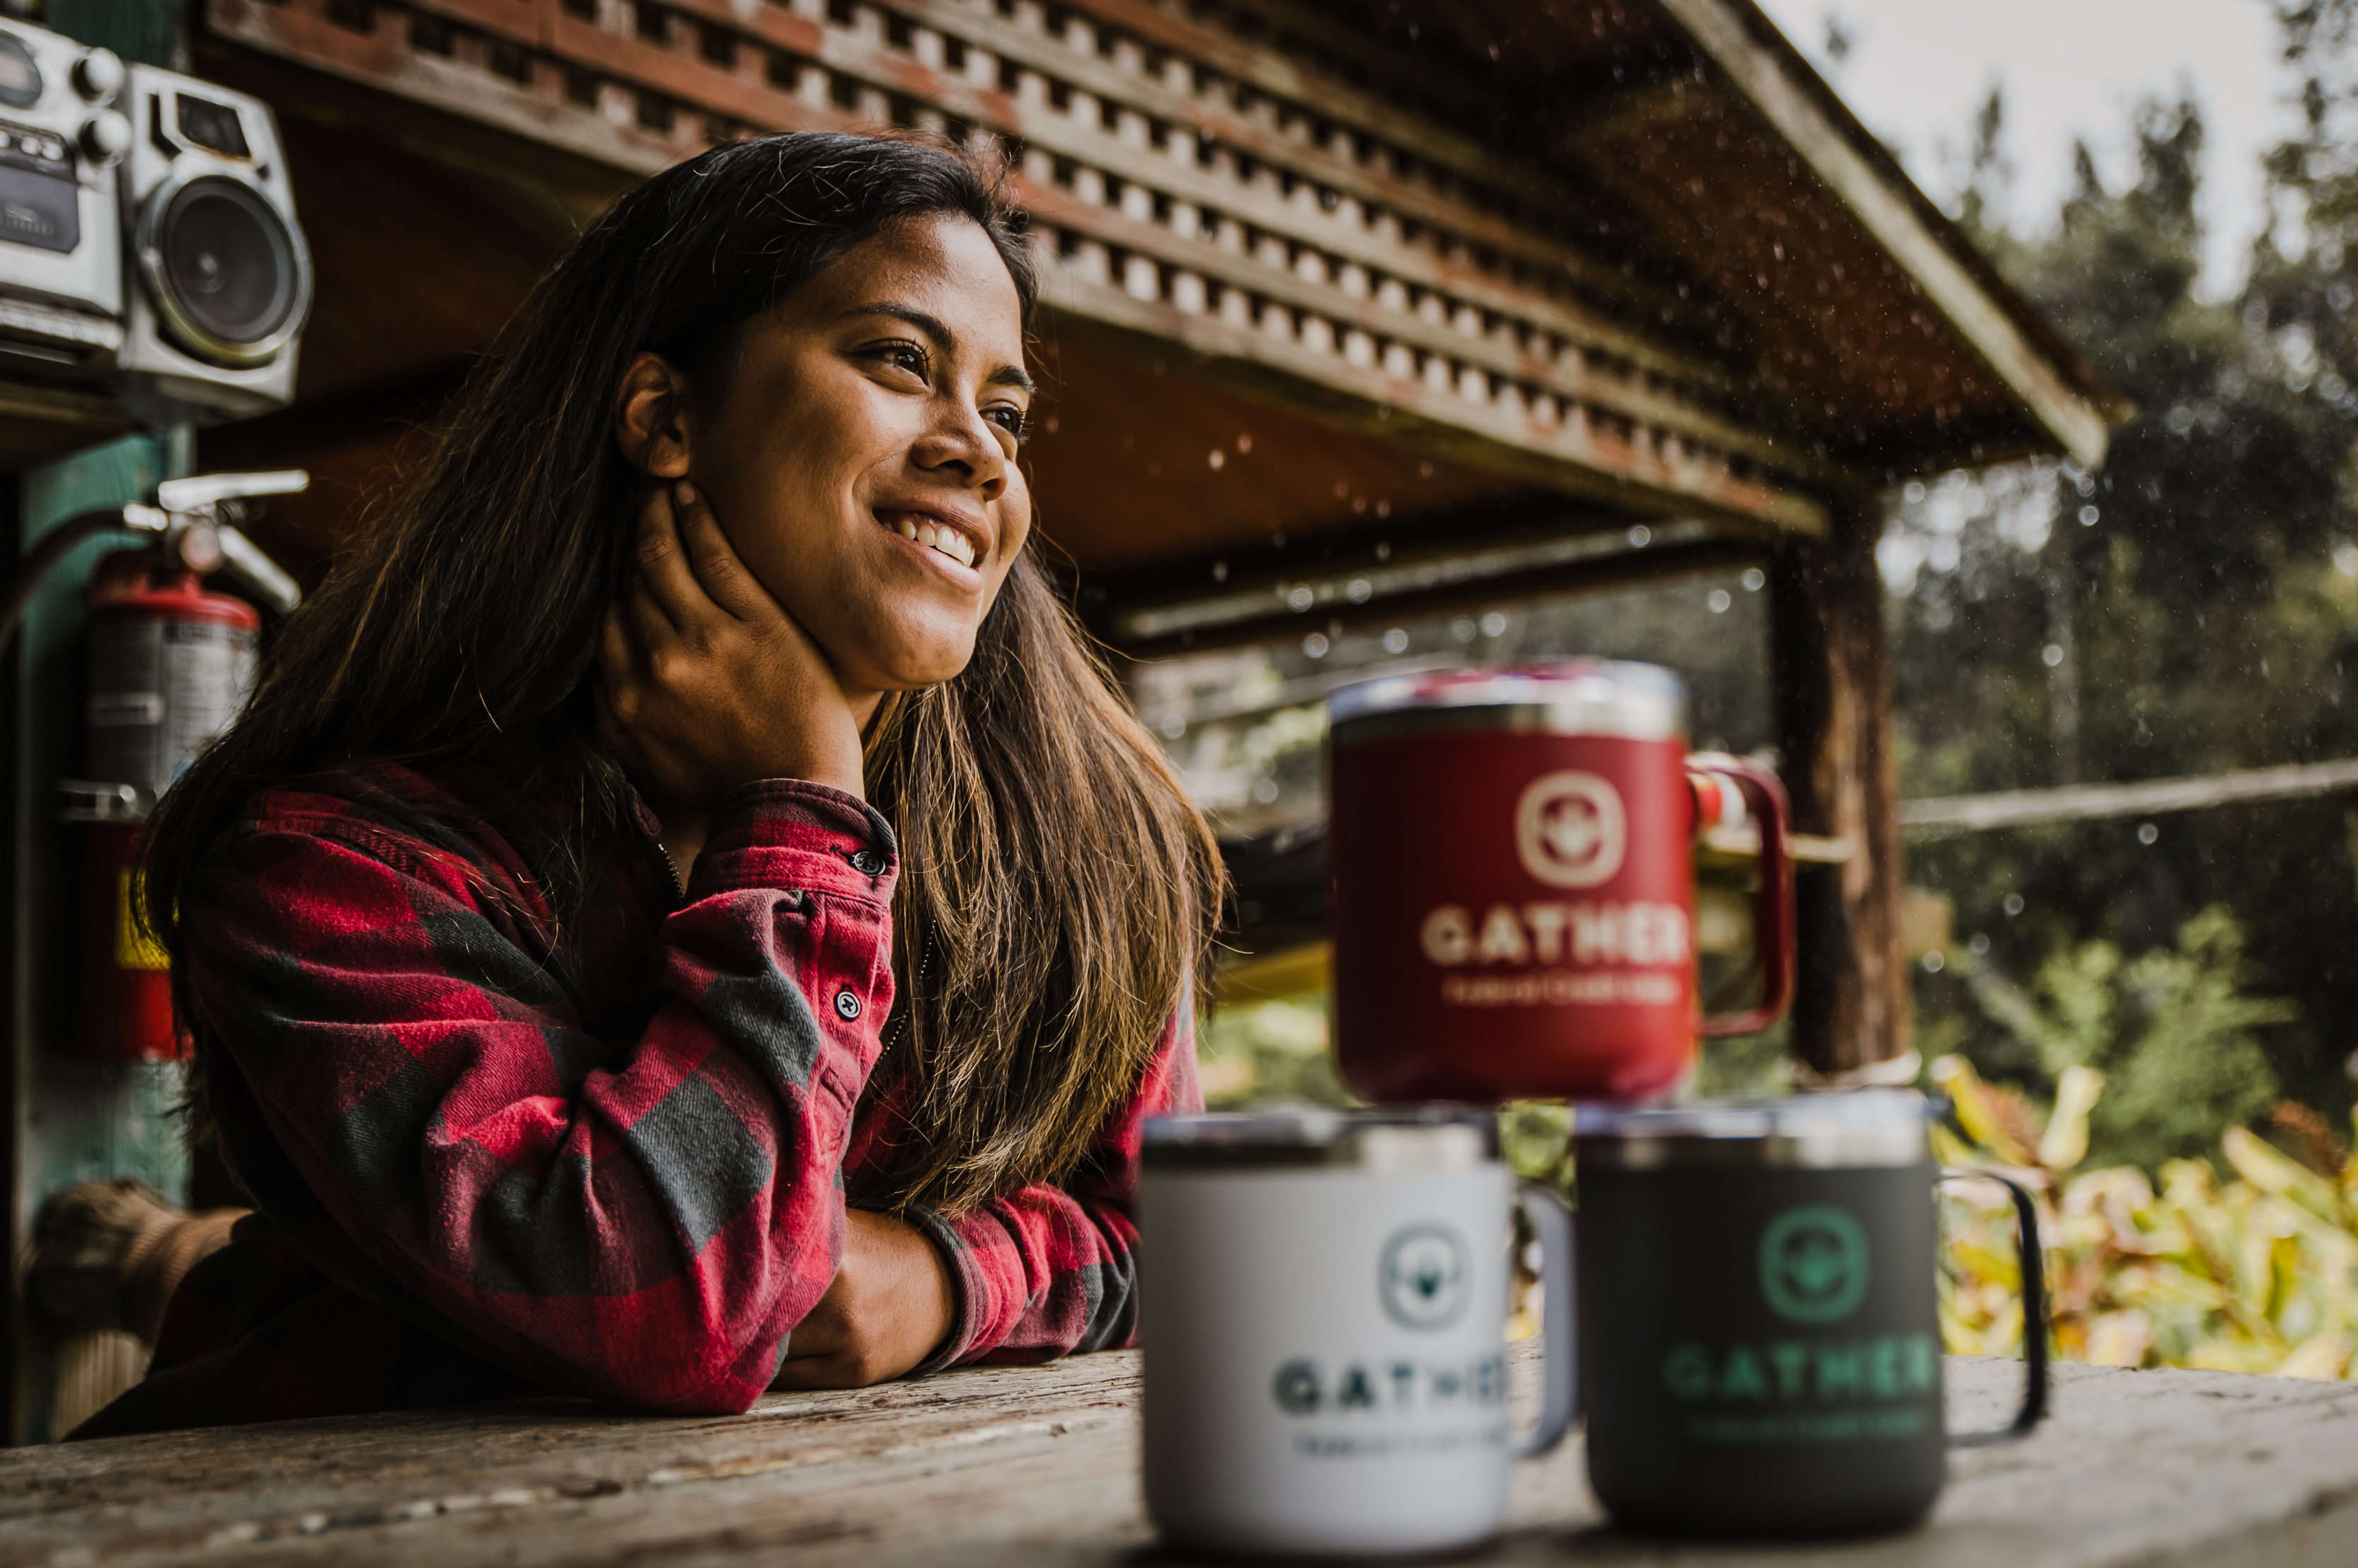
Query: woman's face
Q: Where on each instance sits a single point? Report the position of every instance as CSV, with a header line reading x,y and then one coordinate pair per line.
x,y
861,456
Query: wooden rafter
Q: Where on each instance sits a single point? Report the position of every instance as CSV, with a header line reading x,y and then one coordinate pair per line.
x,y
1292,232
1887,207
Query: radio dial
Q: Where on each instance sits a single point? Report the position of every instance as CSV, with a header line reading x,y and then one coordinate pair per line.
x,y
98,76
105,137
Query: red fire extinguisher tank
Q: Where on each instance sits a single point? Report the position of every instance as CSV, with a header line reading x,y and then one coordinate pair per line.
x,y
171,665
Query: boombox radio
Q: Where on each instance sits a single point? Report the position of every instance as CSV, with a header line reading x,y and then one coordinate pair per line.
x,y
148,246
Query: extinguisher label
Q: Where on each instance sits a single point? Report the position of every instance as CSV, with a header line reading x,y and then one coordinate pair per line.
x,y
127,707
134,948
159,692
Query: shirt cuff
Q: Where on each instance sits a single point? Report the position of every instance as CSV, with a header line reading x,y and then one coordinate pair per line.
x,y
792,833
972,1295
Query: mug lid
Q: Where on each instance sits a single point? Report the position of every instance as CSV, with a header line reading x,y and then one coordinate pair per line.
x,y
1431,1139
1607,697
1829,1131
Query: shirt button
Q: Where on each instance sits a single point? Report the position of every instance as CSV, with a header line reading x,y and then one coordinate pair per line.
x,y
868,862
848,1005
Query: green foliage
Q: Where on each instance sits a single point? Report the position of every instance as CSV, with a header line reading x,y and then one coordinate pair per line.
x,y
1269,1052
2173,1032
2188,608
2258,1273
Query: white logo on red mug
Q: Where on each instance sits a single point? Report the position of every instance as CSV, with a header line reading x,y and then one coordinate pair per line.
x,y
1570,829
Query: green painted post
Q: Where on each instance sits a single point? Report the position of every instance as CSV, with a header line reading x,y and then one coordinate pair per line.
x,y
152,32
72,1117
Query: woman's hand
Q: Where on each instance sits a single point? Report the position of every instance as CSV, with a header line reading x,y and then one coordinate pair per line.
x,y
704,681
889,1308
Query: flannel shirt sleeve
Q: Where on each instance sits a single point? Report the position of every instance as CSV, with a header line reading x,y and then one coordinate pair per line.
x,y
1053,1271
640,1221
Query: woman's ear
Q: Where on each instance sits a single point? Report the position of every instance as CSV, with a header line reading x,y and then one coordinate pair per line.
x,y
653,423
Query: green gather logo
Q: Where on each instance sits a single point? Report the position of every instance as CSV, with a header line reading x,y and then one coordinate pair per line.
x,y
1813,1266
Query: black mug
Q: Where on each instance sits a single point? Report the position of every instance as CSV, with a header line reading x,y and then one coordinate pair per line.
x,y
1758,1308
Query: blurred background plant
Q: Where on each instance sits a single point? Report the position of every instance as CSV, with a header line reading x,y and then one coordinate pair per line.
x,y
2174,1032
2254,1273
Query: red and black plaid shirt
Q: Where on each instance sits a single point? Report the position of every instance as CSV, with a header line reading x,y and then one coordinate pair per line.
x,y
492,1149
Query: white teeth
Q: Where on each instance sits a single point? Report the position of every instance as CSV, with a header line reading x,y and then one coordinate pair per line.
x,y
948,541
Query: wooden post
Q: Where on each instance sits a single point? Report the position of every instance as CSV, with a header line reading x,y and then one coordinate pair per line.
x,y
1834,722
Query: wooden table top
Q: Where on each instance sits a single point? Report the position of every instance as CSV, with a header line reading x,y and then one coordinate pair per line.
x,y
1038,1465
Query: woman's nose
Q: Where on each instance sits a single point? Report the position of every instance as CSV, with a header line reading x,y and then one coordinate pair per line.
x,y
965,442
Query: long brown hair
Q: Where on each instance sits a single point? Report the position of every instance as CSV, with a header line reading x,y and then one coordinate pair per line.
x,y
1057,892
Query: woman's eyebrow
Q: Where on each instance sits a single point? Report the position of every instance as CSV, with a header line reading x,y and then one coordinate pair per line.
x,y
944,339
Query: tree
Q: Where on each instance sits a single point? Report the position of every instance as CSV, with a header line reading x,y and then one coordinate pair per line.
x,y
2179,612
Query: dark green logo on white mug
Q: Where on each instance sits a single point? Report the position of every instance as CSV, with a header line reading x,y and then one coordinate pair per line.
x,y
1813,1264
1426,1277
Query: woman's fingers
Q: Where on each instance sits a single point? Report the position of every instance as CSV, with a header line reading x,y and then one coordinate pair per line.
x,y
723,577
663,566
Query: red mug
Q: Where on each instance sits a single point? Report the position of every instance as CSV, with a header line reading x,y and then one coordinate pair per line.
x,y
1513,892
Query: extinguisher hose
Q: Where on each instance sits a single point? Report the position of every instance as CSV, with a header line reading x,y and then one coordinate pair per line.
x,y
35,568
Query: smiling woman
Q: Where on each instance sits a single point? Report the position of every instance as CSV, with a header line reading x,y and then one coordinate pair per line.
x,y
685,912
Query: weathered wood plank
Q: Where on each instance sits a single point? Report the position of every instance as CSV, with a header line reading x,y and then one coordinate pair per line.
x,y
1039,1465
2089,802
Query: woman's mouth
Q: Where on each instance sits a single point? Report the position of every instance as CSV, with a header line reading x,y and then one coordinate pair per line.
x,y
919,529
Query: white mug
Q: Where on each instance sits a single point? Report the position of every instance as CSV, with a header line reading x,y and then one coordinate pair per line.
x,y
1323,1301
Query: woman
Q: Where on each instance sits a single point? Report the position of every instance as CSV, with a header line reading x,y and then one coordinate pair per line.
x,y
683,914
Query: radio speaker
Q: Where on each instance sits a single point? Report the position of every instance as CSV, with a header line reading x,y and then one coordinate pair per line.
x,y
220,277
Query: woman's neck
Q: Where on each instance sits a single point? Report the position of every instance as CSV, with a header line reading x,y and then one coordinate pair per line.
x,y
683,835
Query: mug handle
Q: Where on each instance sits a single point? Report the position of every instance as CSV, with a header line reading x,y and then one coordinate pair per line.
x,y
2033,1254
1762,794
1559,1329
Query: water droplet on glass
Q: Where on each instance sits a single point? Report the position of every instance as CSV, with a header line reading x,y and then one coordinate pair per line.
x,y
2147,833
1396,641
2088,515
1719,600
1316,644
1173,726
1640,536
1755,579
1934,963
1494,624
2013,904
2051,656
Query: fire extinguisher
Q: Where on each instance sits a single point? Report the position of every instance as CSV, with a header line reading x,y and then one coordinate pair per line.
x,y
171,665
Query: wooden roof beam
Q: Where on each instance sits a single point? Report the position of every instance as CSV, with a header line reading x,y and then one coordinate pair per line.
x,y
1727,32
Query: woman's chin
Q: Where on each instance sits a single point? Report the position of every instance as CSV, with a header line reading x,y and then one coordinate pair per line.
x,y
915,669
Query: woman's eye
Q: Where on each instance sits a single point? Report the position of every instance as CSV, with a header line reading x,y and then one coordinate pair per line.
x,y
904,356
1008,418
